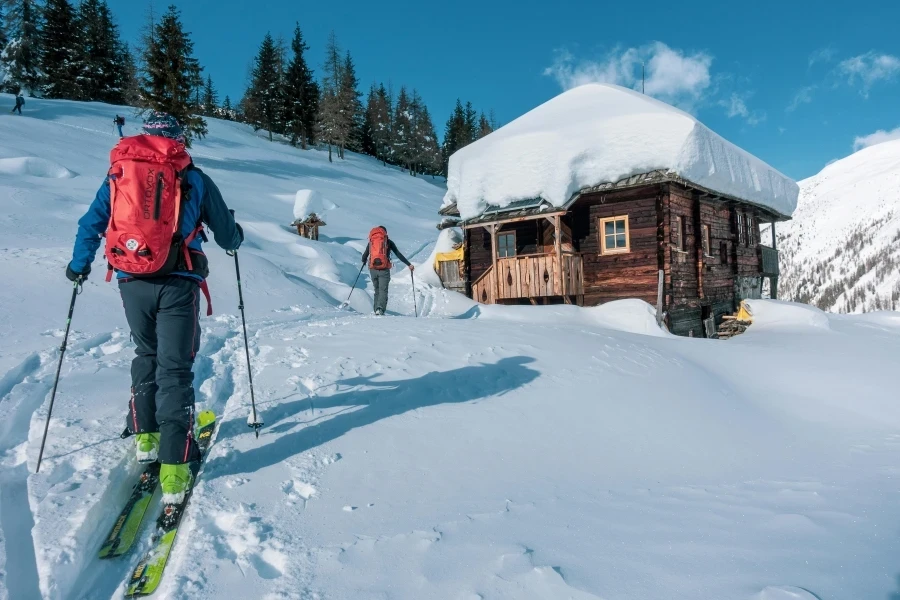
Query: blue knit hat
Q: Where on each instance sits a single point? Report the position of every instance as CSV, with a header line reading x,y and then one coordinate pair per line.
x,y
164,125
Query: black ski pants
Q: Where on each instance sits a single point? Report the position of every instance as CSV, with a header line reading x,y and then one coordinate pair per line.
x,y
163,314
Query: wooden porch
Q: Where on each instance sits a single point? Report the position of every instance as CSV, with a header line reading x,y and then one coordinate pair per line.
x,y
551,270
531,277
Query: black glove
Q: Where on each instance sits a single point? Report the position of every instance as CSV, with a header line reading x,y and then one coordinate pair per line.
x,y
73,276
240,231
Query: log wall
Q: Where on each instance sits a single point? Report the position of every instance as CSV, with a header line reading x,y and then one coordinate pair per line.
x,y
478,252
617,276
698,285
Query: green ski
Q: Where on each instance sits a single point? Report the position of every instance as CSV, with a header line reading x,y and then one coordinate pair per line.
x,y
147,575
128,524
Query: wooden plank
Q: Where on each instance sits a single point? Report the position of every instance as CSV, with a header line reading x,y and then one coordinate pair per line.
x,y
513,220
557,250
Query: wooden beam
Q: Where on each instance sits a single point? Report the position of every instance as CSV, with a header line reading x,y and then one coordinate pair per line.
x,y
492,227
698,244
774,245
501,222
557,247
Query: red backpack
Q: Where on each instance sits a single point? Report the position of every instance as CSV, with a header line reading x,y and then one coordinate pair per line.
x,y
379,249
144,236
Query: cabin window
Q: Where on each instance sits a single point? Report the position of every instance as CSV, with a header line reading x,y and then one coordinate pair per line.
x,y
742,233
614,236
751,230
506,245
678,233
707,246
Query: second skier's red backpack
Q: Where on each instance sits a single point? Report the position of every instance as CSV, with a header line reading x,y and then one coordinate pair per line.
x,y
379,249
144,237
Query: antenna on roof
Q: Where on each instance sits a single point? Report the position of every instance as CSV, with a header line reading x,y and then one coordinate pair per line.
x,y
642,78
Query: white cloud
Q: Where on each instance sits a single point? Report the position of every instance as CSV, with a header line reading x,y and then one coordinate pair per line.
x,y
869,68
878,137
824,55
671,74
803,96
736,106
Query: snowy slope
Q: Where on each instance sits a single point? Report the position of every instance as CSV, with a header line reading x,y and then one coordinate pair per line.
x,y
840,251
477,452
603,133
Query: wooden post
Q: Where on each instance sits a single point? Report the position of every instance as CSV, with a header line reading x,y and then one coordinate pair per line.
x,y
659,297
492,227
774,245
557,248
698,241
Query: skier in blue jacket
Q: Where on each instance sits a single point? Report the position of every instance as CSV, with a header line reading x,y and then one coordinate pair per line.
x,y
163,315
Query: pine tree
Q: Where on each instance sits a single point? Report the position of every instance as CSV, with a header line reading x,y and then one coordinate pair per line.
x,y
227,112
381,116
3,37
210,98
351,106
454,133
101,77
262,101
484,127
171,72
402,130
301,95
429,156
127,81
471,129
20,58
416,137
332,122
60,51
367,141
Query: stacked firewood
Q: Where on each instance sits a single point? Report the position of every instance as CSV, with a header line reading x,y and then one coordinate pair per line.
x,y
732,326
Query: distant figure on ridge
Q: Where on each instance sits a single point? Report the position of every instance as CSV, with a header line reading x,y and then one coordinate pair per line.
x,y
378,255
161,274
20,102
120,122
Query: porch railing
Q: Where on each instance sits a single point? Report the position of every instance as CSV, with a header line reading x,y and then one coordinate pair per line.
x,y
531,276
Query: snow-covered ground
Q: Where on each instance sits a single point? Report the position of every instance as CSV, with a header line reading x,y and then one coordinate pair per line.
x,y
841,249
475,452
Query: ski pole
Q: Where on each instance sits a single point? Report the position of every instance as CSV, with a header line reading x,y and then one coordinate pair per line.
x,y
76,289
413,278
237,268
354,285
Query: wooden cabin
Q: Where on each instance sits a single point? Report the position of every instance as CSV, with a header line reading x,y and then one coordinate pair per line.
x,y
611,241
309,227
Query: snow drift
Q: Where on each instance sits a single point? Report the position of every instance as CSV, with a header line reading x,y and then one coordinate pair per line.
x,y
601,133
307,202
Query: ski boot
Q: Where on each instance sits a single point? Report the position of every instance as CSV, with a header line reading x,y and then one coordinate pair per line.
x,y
146,447
176,481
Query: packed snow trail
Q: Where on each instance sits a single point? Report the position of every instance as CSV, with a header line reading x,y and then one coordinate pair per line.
x,y
476,452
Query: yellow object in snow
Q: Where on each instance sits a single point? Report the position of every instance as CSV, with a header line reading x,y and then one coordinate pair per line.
x,y
744,313
453,256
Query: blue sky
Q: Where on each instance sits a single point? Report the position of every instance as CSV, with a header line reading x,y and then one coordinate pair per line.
x,y
798,83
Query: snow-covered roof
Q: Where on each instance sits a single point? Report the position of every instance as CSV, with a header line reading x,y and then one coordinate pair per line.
x,y
601,133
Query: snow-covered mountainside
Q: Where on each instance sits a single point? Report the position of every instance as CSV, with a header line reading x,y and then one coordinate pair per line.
x,y
841,251
475,452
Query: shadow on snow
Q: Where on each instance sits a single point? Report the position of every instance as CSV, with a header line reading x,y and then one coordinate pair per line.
x,y
381,400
